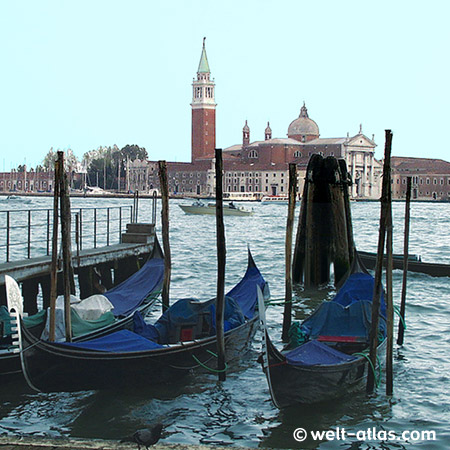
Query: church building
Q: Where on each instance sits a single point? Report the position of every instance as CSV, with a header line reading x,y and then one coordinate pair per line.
x,y
257,167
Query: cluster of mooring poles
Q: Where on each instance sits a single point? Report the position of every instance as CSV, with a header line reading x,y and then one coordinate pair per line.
x,y
324,233
325,237
221,255
385,238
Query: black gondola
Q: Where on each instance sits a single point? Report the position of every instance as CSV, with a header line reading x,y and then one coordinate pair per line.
x,y
331,361
126,358
137,293
415,264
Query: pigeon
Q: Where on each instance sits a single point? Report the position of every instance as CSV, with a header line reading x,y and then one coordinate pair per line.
x,y
148,436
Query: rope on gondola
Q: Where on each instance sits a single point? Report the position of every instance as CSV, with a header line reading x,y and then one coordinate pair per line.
x,y
397,311
209,368
280,302
376,377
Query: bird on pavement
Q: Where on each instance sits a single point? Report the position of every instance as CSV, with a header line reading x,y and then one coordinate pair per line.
x,y
148,436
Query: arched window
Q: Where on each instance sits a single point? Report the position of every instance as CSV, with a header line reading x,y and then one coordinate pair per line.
x,y
297,154
253,154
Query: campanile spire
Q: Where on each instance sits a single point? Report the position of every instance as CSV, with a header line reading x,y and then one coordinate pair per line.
x,y
203,111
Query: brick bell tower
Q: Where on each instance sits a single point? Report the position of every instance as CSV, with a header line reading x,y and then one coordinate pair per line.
x,y
203,112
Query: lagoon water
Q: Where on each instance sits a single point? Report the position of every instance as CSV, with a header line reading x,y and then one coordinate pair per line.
x,y
239,412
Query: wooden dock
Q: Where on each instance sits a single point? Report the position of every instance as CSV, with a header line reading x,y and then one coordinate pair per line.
x,y
40,266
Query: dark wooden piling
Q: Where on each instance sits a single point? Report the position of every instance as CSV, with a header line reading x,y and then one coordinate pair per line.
x,y
163,180
69,284
324,233
318,236
389,302
287,314
45,283
105,275
298,263
221,261
339,234
401,326
346,183
373,337
85,282
54,266
30,289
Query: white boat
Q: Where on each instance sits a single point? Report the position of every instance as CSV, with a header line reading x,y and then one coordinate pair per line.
x,y
242,196
210,209
279,199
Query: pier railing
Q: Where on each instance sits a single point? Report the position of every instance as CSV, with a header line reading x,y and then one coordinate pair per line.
x,y
27,233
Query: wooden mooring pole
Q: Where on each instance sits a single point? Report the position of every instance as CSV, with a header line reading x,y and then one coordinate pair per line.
x,y
287,314
69,283
373,337
389,301
54,266
163,181
401,326
221,261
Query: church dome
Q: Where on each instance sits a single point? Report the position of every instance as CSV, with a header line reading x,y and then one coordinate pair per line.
x,y
303,128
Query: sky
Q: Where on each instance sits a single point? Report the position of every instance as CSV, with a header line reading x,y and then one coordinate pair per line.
x,y
83,74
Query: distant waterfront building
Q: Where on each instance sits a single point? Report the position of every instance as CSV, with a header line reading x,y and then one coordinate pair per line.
x,y
430,178
261,167
303,141
26,181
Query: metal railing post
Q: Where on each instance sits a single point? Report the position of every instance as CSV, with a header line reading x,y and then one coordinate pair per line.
x,y
120,224
95,228
81,228
29,235
77,235
48,232
107,226
7,236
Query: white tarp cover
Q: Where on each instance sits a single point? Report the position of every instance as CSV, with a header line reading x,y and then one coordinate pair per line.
x,y
91,308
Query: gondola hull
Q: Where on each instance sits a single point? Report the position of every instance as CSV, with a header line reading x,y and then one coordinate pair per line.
x,y
300,385
433,269
10,364
55,368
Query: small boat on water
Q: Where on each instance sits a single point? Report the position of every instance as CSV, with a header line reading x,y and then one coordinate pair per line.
x,y
137,293
182,339
415,264
277,199
230,209
330,358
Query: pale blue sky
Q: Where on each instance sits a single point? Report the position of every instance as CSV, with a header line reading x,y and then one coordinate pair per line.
x,y
81,74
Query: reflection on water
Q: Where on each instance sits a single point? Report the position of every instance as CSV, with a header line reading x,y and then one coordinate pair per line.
x,y
238,412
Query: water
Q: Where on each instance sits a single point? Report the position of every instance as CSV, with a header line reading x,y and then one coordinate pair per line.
x,y
239,412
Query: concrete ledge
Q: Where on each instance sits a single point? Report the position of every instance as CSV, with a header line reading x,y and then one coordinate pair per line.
x,y
31,443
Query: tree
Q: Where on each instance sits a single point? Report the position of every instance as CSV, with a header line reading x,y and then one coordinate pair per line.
x,y
71,162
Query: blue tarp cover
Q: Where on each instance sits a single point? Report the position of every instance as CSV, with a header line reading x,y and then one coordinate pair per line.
x,y
333,319
245,291
187,312
118,342
348,313
131,293
359,286
313,353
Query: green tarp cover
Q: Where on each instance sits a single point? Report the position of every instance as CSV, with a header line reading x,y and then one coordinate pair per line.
x,y
80,326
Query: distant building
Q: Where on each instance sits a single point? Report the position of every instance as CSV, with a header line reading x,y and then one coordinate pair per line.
x,y
26,181
261,167
303,141
430,178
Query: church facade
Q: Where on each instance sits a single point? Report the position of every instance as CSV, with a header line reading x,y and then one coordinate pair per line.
x,y
256,167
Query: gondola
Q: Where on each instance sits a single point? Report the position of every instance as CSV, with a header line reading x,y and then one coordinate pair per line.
x,y
330,362
138,358
415,264
137,293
